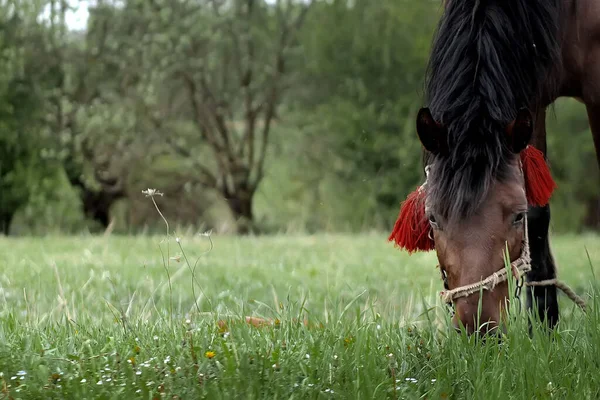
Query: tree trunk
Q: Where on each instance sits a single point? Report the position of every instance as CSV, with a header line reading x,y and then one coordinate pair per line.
x,y
96,205
592,217
5,220
240,204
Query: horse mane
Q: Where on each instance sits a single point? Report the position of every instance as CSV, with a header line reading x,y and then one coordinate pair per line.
x,y
488,59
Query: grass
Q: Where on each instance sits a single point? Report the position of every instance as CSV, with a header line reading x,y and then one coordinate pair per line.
x,y
96,317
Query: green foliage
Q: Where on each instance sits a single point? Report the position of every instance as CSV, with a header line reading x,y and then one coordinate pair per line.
x,y
203,101
573,161
21,110
350,150
357,153
53,207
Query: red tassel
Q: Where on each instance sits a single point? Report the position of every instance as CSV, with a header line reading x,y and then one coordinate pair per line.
x,y
411,230
539,184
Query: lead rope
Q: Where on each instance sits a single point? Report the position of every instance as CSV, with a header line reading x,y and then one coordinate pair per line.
x,y
565,289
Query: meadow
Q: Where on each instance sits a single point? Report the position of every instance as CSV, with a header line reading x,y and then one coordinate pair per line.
x,y
92,317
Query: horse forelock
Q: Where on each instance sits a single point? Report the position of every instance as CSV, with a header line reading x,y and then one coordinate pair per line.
x,y
489,58
460,182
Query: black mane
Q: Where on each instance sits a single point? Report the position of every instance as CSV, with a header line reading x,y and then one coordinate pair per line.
x,y
489,58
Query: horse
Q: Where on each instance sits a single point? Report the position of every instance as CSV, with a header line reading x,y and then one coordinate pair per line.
x,y
495,67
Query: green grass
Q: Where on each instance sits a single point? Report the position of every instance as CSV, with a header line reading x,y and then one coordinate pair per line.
x,y
102,318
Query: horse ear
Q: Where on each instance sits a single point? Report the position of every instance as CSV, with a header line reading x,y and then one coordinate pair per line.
x,y
433,136
520,130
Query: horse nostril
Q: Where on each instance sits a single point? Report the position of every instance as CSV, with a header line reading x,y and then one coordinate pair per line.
x,y
460,324
469,317
489,328
456,326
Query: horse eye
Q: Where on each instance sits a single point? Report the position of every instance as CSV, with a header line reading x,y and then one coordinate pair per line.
x,y
433,221
518,218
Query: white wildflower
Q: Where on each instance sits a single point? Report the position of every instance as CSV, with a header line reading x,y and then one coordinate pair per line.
x,y
152,192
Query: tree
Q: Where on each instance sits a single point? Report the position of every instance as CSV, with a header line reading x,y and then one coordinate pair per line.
x,y
230,59
89,138
572,157
22,95
362,90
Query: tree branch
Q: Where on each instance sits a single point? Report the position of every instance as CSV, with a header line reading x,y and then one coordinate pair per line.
x,y
208,179
197,110
206,130
250,110
214,109
271,102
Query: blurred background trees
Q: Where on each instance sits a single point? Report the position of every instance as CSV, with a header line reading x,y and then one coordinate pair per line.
x,y
250,115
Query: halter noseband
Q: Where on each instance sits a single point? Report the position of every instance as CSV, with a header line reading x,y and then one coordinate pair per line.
x,y
519,267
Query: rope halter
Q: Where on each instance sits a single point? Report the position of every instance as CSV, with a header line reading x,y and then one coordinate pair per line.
x,y
519,267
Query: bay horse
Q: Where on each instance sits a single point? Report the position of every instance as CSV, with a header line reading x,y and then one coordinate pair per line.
x,y
495,67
